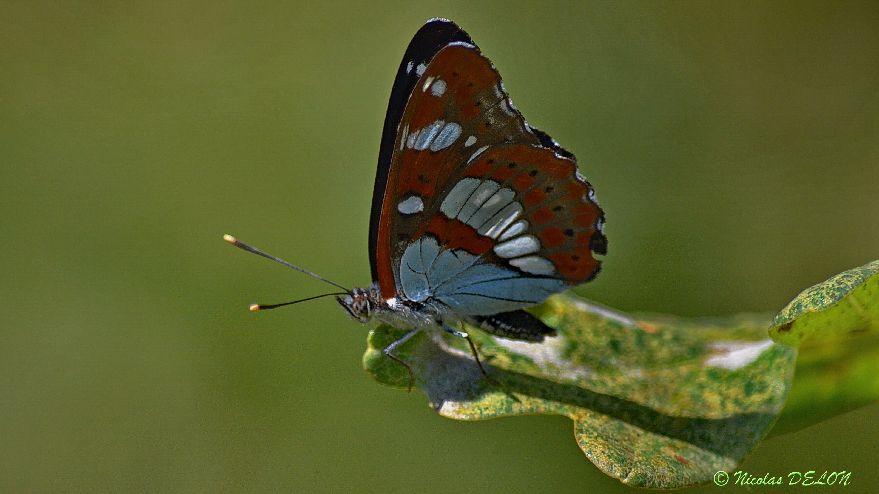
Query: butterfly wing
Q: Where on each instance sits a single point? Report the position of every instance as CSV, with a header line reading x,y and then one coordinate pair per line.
x,y
481,212
432,37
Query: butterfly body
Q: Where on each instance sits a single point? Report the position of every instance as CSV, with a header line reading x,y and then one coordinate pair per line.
x,y
363,304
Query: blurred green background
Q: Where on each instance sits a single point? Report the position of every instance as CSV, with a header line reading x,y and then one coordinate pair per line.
x,y
734,146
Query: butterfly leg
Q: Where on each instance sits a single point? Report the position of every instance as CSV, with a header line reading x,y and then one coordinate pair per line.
x,y
462,334
389,352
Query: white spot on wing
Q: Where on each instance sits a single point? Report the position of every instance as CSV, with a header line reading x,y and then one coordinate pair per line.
x,y
485,190
490,207
438,88
517,228
534,265
477,153
501,220
453,202
420,69
411,205
403,136
519,246
410,139
427,84
446,137
427,135
470,141
507,108
487,206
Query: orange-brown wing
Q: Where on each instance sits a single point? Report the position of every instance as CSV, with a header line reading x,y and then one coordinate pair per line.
x,y
469,171
549,204
432,37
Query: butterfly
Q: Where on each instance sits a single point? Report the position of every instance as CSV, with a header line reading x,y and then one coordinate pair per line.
x,y
476,214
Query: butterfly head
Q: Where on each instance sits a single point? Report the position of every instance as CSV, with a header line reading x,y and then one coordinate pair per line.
x,y
361,303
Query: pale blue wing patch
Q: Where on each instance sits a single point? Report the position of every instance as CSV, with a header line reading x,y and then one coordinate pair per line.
x,y
486,206
458,196
519,246
467,285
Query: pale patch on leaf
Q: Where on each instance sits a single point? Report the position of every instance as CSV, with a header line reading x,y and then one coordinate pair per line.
x,y
734,355
656,401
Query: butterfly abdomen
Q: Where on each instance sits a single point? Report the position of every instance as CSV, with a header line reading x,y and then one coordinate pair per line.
x,y
516,325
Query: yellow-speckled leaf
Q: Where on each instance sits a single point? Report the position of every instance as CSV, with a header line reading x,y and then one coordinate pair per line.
x,y
835,324
656,401
846,304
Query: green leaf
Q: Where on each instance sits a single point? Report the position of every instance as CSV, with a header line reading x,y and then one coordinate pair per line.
x,y
835,325
831,378
846,304
656,401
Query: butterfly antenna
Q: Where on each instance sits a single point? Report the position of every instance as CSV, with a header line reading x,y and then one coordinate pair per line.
x,y
241,245
259,307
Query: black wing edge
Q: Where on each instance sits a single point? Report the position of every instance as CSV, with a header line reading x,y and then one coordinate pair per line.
x,y
548,142
430,39
515,325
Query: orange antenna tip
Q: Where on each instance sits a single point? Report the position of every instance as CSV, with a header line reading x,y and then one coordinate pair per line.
x,y
254,308
229,238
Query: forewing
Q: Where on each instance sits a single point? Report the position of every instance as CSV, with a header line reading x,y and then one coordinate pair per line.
x,y
458,109
481,212
430,39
